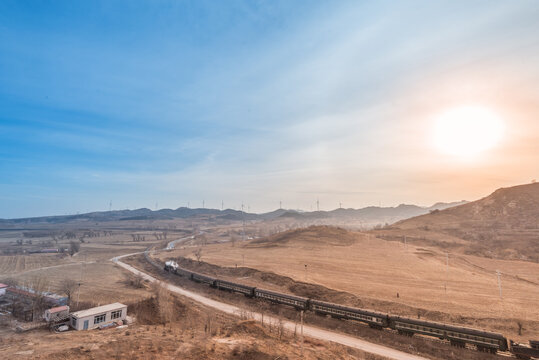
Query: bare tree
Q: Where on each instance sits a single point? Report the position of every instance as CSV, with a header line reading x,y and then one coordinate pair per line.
x,y
202,239
68,287
198,254
39,285
74,248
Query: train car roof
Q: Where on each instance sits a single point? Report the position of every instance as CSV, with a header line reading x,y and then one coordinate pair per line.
x,y
449,327
314,301
281,294
202,275
233,283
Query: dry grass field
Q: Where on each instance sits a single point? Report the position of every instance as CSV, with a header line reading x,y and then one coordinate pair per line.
x,y
172,327
377,270
100,279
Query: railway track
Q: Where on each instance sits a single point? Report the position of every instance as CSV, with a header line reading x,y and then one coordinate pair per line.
x,y
506,354
309,331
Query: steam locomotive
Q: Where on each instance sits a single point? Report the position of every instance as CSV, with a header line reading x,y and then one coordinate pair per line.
x,y
456,335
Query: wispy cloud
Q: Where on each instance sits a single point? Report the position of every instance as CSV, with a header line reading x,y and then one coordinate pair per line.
x,y
257,102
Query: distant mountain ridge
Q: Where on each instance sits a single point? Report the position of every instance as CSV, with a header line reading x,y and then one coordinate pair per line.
x,y
374,213
369,213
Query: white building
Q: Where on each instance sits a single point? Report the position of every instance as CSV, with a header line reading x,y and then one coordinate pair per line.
x,y
3,288
98,316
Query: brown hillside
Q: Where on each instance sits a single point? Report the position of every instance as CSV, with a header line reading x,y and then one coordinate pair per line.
x,y
504,224
313,235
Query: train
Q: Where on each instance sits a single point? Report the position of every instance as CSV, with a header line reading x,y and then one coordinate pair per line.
x,y
456,335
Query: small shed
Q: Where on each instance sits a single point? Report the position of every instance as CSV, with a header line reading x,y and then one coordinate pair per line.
x,y
3,288
98,316
56,313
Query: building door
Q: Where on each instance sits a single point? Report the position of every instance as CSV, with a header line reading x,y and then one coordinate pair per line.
x,y
85,325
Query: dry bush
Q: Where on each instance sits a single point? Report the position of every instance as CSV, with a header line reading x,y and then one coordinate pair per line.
x,y
10,282
137,281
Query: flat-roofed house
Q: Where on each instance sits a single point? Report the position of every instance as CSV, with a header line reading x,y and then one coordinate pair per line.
x,y
98,316
56,313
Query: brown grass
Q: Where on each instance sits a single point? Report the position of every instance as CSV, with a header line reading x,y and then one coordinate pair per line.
x,y
186,337
375,271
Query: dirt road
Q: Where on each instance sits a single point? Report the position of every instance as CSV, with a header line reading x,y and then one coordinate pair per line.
x,y
308,331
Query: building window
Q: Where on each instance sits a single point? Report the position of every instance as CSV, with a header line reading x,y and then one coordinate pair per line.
x,y
99,319
116,314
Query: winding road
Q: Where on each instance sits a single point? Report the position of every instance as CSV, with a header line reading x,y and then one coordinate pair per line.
x,y
309,331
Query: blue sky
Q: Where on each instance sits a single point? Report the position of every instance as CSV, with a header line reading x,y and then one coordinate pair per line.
x,y
170,102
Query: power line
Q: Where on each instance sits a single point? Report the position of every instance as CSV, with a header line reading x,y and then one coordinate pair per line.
x,y
243,221
446,271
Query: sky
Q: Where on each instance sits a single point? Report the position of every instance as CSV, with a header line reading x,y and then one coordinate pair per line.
x,y
162,104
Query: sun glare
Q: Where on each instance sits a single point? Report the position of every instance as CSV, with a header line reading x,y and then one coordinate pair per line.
x,y
467,131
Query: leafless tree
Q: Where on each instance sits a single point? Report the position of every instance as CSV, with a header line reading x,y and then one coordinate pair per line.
x,y
74,248
68,287
202,239
198,254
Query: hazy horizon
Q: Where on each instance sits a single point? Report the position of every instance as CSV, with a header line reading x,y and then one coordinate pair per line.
x,y
173,103
235,208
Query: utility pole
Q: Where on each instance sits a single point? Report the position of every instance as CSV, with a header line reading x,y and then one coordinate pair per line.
x,y
499,274
243,221
110,205
301,316
80,282
317,205
222,205
446,271
203,204
280,205
340,205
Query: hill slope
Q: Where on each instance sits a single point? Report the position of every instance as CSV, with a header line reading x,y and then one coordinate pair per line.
x,y
506,222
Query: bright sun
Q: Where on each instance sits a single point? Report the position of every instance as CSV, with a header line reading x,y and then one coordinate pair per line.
x,y
468,130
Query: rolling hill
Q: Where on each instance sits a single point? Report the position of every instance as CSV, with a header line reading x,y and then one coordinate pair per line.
x,y
505,223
